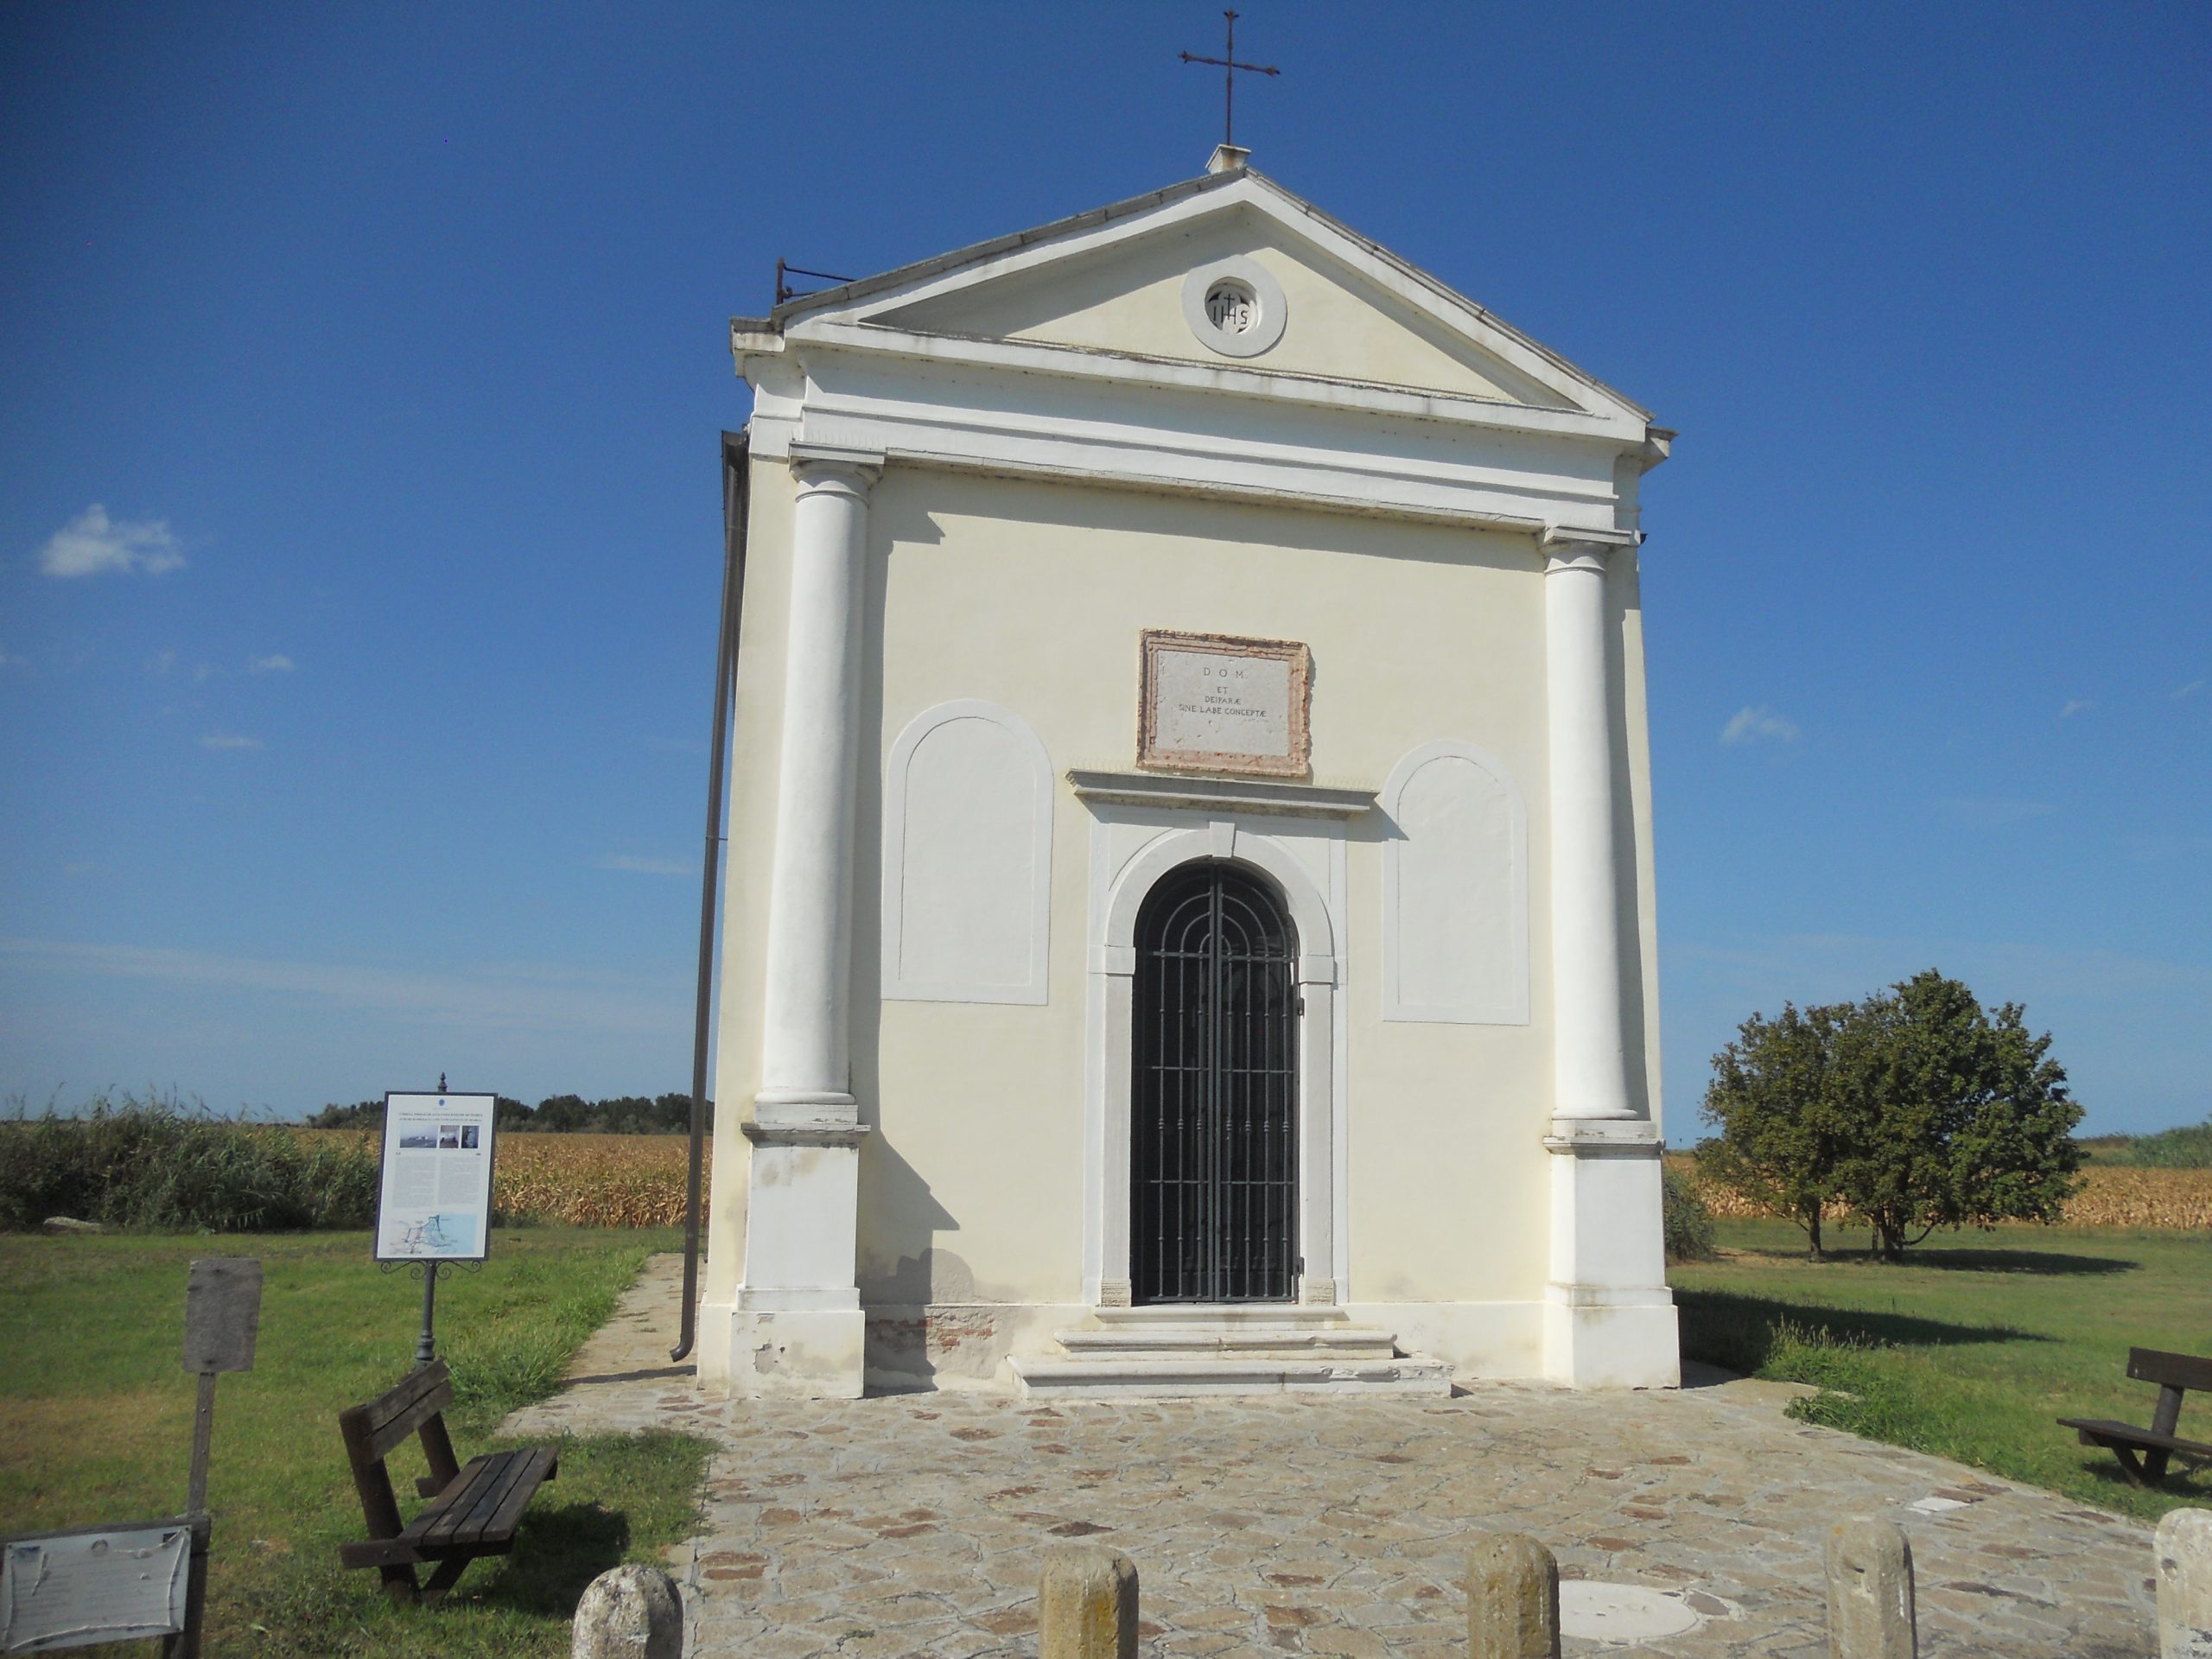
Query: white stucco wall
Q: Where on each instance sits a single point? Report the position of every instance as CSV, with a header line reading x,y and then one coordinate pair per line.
x,y
1032,596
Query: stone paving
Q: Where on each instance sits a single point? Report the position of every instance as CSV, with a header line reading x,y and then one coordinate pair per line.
x,y
912,1524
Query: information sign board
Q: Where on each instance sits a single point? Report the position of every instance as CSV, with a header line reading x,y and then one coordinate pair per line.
x,y
434,1201
92,1586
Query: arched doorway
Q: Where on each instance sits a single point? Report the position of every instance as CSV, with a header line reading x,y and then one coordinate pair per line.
x,y
1213,1193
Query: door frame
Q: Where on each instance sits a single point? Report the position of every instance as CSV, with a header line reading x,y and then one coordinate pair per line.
x,y
1113,981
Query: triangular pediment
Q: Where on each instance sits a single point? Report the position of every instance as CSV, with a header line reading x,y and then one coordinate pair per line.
x,y
1130,282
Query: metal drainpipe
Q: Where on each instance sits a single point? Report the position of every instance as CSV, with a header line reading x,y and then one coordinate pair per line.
x,y
736,497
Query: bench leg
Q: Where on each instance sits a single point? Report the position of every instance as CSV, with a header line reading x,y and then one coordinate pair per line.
x,y
399,1583
2146,1468
447,1575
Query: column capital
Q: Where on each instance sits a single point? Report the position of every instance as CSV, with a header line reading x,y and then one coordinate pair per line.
x,y
826,466
1567,548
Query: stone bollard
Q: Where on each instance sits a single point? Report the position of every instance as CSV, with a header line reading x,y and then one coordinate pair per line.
x,y
1512,1598
2184,1551
1087,1604
629,1613
1869,1590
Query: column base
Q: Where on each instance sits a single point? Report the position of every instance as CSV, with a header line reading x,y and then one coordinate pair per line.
x,y
814,1353
1596,1338
1609,1318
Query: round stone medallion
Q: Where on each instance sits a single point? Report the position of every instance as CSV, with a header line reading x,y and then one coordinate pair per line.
x,y
1595,1611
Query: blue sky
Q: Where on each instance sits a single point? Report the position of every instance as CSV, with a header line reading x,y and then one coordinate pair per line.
x,y
360,517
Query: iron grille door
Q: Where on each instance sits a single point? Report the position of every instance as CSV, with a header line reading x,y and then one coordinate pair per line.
x,y
1214,1169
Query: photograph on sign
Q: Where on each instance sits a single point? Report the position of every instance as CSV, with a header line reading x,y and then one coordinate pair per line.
x,y
75,1589
434,1201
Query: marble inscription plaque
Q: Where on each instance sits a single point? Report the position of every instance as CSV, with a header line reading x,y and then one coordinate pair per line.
x,y
1213,702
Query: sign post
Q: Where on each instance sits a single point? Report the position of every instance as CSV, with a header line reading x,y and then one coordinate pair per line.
x,y
434,1201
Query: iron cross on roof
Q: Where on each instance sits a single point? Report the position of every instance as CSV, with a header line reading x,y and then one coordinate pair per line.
x,y
1227,65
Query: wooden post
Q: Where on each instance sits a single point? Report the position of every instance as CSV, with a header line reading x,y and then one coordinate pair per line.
x,y
203,1434
222,1321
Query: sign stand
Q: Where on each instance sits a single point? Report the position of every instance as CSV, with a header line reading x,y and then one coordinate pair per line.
x,y
85,1586
426,1345
434,1199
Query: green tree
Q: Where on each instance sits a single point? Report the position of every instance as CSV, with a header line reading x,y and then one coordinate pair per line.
x,y
1782,1134
1958,1116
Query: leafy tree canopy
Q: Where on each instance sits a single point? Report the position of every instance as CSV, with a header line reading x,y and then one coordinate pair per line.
x,y
1913,1110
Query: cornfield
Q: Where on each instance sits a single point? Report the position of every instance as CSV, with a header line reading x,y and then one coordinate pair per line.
x,y
582,1180
2111,1196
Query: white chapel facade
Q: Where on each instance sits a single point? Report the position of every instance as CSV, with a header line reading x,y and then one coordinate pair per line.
x,y
1189,917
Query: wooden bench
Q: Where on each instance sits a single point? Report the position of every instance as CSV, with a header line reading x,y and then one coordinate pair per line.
x,y
2143,1452
473,1511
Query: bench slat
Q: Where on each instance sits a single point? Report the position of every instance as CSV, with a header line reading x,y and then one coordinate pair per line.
x,y
544,1465
2168,1370
373,1429
490,1475
522,1475
436,1523
2103,1432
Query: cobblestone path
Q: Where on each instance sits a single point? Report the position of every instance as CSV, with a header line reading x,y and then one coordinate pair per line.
x,y
912,1524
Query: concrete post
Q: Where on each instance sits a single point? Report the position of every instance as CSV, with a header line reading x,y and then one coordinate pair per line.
x,y
1087,1604
1512,1598
629,1613
2183,1550
1869,1590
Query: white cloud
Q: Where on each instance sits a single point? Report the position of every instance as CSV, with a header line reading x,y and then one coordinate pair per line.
x,y
209,672
93,544
1988,814
2074,706
637,866
1759,724
161,662
228,740
279,664
515,996
7,660
2189,690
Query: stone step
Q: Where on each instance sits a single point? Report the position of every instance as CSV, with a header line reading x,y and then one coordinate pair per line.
x,y
1231,1341
1299,1314
1180,1377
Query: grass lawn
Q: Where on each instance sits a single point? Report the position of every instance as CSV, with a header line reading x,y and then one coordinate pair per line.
x,y
1973,1345
95,1425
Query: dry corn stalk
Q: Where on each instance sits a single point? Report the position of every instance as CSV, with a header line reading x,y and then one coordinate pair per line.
x,y
584,1180
2112,1195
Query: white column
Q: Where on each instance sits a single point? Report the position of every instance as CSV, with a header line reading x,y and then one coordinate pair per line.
x,y
1590,1058
797,1327
1609,1319
805,1069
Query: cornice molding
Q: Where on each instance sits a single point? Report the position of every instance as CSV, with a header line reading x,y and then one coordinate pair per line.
x,y
1187,792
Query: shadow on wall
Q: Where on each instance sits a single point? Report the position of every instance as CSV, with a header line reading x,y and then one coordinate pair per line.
x,y
903,1270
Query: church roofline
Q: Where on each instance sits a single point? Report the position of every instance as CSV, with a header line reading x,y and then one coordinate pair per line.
x,y
921,270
